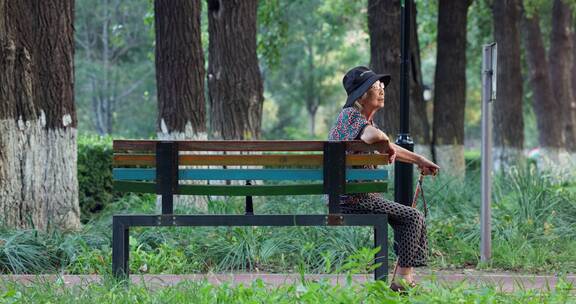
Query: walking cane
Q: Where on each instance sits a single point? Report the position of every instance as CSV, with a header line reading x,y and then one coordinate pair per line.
x,y
414,200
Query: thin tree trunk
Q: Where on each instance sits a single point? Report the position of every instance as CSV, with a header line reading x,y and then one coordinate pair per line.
x,y
312,93
561,61
312,119
234,80
574,65
450,86
105,99
384,31
544,102
38,182
180,76
508,123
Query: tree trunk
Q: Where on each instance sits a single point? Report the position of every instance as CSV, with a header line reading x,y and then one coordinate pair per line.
x,y
450,86
546,107
385,56
561,61
312,102
234,80
179,69
312,119
419,124
180,76
38,182
384,31
508,123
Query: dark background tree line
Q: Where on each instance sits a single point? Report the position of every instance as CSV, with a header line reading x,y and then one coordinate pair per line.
x,y
266,69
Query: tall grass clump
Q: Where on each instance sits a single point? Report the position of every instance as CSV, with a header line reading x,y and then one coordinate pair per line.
x,y
532,220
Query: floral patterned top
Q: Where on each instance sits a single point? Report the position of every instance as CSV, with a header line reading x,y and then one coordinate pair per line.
x,y
349,126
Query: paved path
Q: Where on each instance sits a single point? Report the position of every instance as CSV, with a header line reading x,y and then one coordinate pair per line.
x,y
505,281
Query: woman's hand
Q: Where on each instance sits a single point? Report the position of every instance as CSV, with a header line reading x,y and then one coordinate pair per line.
x,y
427,167
391,154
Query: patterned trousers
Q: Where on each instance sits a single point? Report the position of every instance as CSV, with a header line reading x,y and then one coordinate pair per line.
x,y
411,245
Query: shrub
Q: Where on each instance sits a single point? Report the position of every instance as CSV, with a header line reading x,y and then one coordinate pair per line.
x,y
94,174
473,160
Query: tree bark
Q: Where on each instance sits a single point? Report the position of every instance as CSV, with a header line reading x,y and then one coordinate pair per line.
x,y
179,69
384,31
312,100
38,182
450,86
385,55
561,61
234,80
180,76
546,107
508,123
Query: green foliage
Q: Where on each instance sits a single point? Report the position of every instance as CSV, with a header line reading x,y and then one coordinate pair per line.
x,y
272,32
532,7
533,230
473,160
114,67
35,252
322,40
94,174
322,291
532,221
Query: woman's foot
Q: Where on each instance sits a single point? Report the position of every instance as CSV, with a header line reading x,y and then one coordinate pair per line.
x,y
402,286
403,280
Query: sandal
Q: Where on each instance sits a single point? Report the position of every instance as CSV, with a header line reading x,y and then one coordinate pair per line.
x,y
402,287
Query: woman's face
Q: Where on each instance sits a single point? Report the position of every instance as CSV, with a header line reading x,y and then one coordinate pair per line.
x,y
374,96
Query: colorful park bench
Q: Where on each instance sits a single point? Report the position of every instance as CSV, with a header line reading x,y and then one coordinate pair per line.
x,y
318,167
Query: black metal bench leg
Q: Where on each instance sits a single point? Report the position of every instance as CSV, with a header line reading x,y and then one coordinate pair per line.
x,y
120,248
381,240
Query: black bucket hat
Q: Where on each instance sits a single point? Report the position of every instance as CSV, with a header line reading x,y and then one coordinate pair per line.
x,y
358,80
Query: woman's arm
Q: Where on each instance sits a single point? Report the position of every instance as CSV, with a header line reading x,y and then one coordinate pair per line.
x,y
372,135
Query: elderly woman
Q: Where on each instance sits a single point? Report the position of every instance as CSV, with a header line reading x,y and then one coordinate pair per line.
x,y
355,122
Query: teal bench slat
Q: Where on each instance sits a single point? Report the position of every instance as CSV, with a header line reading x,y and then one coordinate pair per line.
x,y
128,174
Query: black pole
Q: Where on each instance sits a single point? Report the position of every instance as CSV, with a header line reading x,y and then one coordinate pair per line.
x,y
403,172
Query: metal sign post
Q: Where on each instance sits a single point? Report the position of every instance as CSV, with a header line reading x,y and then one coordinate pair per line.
x,y
489,68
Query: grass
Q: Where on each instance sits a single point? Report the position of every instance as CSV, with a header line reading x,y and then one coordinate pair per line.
x,y
258,292
533,227
533,231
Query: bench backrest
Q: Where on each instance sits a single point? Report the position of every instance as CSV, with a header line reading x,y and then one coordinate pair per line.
x,y
305,167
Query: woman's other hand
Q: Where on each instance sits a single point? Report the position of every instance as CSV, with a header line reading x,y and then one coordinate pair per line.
x,y
427,167
391,154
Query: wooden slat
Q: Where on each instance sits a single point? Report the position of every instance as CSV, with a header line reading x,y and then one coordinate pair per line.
x,y
242,145
134,160
250,160
260,190
136,187
248,174
360,146
367,159
223,145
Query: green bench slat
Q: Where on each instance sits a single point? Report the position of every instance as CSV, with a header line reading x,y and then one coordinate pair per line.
x,y
257,190
248,174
